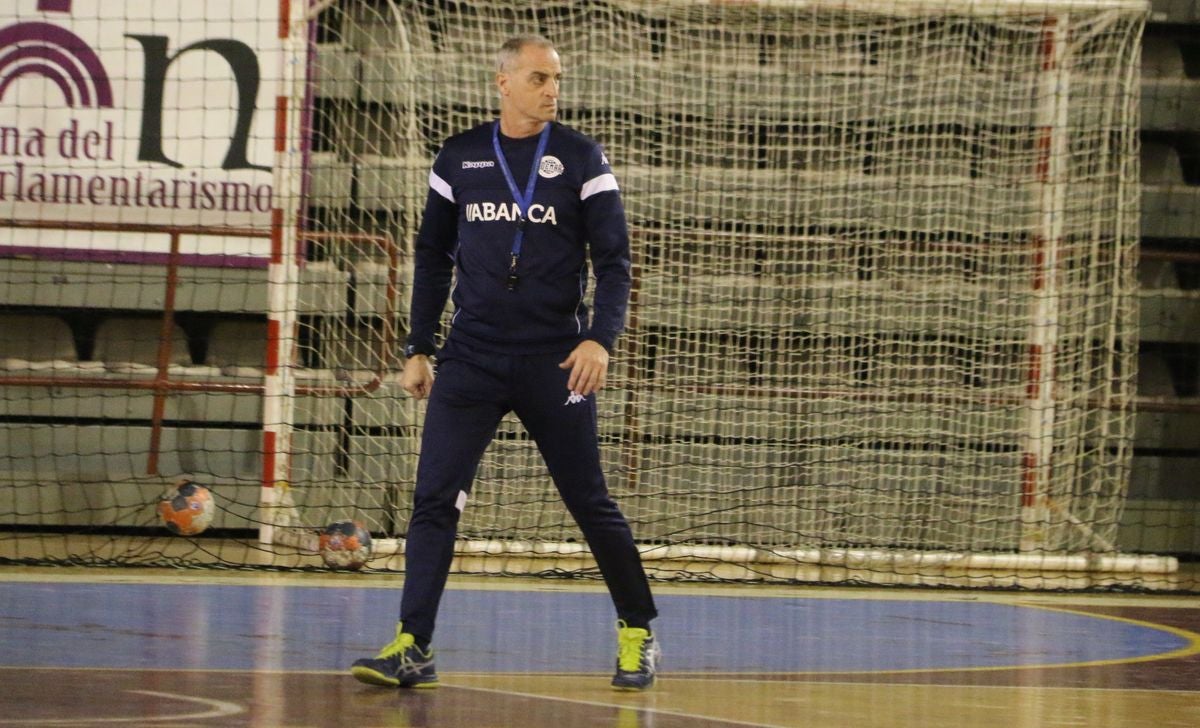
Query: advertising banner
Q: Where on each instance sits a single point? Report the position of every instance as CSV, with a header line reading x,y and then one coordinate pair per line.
x,y
146,113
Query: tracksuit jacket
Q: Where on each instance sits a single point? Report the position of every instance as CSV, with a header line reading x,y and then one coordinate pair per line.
x,y
467,232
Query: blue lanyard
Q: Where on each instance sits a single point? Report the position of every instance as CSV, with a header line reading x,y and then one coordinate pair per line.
x,y
523,201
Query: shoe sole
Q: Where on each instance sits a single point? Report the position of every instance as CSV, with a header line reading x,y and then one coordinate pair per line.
x,y
632,688
425,685
374,677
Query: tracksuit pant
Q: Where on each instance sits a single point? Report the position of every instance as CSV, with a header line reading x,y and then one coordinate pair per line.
x,y
473,390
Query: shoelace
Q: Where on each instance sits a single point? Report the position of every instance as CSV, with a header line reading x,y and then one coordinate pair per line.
x,y
630,649
402,642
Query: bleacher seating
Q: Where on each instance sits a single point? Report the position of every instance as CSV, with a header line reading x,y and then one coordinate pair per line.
x,y
130,345
238,347
36,342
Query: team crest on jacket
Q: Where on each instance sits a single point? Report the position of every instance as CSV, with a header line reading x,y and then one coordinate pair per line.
x,y
550,167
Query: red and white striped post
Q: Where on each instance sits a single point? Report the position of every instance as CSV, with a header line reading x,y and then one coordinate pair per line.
x,y
283,274
1050,180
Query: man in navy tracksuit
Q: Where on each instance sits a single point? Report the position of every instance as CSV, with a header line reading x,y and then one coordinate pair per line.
x,y
515,209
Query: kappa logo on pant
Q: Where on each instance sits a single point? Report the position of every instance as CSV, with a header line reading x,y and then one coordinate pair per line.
x,y
575,398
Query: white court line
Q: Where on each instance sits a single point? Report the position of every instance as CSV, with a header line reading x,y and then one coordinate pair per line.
x,y
599,704
218,709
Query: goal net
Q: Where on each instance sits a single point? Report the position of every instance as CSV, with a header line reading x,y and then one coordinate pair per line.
x,y
883,324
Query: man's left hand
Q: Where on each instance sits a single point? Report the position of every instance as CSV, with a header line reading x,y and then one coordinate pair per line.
x,y
589,368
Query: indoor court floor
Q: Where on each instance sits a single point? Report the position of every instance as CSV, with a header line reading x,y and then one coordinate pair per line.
x,y
143,647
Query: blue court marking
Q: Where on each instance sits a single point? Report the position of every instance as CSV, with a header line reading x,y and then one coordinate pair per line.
x,y
303,628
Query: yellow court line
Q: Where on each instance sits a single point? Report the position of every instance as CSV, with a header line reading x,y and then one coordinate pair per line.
x,y
670,677
1193,639
467,582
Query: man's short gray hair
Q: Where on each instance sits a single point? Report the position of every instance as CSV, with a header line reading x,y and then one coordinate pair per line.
x,y
513,47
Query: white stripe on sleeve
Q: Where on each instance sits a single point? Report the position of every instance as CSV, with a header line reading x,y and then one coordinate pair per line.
x,y
602,183
440,186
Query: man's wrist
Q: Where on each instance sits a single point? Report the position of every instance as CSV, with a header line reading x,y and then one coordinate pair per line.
x,y
411,350
603,341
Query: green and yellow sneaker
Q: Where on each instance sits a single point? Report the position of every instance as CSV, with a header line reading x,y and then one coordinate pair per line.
x,y
637,658
401,664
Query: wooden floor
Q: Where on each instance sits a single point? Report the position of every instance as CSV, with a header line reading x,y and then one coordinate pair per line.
x,y
97,646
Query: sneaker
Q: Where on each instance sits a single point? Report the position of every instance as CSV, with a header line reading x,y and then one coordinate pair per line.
x,y
637,658
401,664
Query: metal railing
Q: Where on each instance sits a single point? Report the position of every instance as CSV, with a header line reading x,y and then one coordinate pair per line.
x,y
163,384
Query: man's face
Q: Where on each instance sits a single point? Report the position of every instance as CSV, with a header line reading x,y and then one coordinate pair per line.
x,y
530,84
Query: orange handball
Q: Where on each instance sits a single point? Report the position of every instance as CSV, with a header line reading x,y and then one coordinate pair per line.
x,y
187,509
345,545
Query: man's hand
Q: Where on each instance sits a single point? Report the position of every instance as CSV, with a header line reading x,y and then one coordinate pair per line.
x,y
417,378
589,368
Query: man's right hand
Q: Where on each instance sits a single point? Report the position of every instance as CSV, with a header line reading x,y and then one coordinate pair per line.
x,y
417,379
